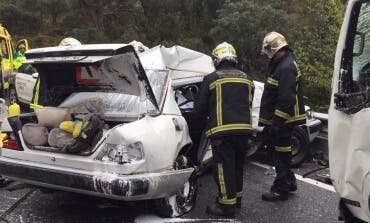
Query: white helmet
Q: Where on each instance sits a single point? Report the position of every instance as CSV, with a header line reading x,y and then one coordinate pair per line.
x,y
224,51
138,46
272,43
69,41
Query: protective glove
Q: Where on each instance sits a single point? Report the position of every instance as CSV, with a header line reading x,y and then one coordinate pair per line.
x,y
265,132
275,128
266,136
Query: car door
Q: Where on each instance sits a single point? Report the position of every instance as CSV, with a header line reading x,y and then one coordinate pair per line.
x,y
349,113
24,84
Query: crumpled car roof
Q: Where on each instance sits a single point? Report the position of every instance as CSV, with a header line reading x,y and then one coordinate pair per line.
x,y
185,64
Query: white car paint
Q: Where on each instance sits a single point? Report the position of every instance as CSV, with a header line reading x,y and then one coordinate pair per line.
x,y
162,135
349,140
24,84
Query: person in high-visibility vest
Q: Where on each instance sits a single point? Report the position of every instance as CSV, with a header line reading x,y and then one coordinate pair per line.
x,y
19,56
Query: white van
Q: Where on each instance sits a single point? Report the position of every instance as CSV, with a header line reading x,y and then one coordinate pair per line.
x,y
349,115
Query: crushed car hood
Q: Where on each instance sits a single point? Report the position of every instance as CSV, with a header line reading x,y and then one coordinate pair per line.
x,y
119,65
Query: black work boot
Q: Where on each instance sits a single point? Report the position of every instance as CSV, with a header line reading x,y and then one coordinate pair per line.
x,y
275,196
221,210
292,183
293,187
238,202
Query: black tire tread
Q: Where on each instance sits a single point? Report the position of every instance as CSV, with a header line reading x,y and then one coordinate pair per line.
x,y
304,152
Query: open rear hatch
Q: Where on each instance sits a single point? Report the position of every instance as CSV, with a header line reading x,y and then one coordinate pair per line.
x,y
77,84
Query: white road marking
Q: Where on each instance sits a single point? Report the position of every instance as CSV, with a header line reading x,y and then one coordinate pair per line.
x,y
156,219
300,178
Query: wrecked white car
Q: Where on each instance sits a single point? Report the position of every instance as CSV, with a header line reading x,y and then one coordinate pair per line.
x,y
148,142
139,146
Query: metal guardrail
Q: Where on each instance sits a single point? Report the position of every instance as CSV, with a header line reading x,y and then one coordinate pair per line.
x,y
323,117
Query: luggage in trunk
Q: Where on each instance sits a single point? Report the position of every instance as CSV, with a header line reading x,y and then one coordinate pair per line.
x,y
46,136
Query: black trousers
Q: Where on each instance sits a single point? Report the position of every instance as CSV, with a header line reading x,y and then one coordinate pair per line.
x,y
228,159
281,151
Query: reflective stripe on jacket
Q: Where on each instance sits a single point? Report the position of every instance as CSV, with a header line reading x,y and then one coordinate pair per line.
x,y
282,99
225,97
36,93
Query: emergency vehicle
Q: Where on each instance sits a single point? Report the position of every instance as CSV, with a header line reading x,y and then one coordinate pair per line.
x,y
7,51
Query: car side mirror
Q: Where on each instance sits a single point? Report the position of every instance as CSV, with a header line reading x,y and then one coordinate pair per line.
x,y
35,75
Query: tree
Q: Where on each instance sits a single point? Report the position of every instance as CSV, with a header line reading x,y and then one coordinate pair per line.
x,y
315,49
244,23
94,9
55,8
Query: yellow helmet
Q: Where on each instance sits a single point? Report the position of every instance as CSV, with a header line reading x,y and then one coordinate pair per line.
x,y
224,51
69,41
272,43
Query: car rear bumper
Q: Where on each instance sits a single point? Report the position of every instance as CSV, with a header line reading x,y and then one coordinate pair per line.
x,y
121,187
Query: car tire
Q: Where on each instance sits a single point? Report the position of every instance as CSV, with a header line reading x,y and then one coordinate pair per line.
x,y
300,152
183,200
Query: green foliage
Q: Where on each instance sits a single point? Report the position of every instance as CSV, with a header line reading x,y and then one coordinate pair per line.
x,y
315,50
18,21
244,23
310,26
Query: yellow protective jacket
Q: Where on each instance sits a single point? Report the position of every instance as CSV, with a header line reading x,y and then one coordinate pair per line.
x,y
19,58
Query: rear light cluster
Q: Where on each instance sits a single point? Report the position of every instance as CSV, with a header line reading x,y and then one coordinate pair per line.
x,y
9,142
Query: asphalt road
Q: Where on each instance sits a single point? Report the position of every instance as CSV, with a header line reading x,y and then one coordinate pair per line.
x,y
311,203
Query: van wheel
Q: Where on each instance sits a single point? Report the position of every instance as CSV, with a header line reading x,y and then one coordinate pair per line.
x,y
183,200
300,151
345,214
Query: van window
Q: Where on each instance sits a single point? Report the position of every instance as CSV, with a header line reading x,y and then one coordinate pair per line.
x,y
362,43
354,78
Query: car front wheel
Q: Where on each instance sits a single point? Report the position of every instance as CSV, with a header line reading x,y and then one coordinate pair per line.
x,y
300,142
184,199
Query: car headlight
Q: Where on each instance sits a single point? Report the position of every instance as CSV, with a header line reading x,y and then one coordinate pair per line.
x,y
122,153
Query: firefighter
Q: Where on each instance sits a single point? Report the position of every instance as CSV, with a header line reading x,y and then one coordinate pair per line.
x,y
282,108
225,100
36,101
19,56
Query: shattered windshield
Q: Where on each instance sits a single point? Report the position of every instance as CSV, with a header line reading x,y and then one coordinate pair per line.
x,y
158,80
